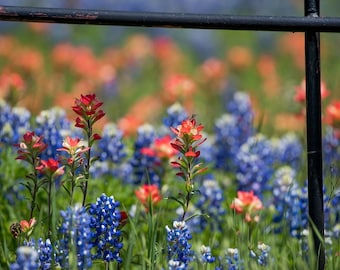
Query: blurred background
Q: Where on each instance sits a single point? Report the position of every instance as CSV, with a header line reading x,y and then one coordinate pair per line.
x,y
140,72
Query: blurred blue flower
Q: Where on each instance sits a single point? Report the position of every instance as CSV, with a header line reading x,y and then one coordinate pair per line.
x,y
54,126
254,163
14,122
27,259
110,150
143,165
288,150
209,204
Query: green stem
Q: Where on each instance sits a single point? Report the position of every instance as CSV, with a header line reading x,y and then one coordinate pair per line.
x,y
88,162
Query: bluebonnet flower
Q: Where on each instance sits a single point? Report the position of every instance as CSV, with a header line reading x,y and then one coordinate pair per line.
x,y
232,258
284,181
331,155
76,236
210,203
175,115
288,150
206,255
179,248
105,220
335,205
240,107
44,250
297,213
143,165
255,164
14,122
27,259
227,142
110,150
263,257
53,125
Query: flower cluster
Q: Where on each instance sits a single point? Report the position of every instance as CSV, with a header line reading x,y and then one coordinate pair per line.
x,y
27,258
247,204
206,255
76,238
105,222
87,109
255,161
179,248
148,195
53,126
263,257
188,138
14,122
210,203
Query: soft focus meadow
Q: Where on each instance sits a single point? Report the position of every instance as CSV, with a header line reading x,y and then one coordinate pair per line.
x,y
125,148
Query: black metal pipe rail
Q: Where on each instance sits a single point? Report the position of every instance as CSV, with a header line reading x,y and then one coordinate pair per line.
x,y
170,20
311,24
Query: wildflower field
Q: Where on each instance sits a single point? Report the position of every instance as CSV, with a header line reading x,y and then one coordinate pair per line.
x,y
156,154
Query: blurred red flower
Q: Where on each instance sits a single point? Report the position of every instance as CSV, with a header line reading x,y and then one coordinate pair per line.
x,y
148,194
248,204
27,226
300,92
332,116
50,167
161,148
32,145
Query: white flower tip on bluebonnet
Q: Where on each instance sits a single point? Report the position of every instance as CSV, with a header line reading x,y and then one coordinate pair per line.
x,y
263,247
204,249
232,251
176,107
146,129
179,224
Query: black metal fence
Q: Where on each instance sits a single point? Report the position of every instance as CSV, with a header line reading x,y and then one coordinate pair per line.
x,y
311,24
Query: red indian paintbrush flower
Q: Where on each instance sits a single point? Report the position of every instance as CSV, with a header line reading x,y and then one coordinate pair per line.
x,y
332,116
248,204
31,146
147,194
27,226
87,107
300,94
161,148
50,167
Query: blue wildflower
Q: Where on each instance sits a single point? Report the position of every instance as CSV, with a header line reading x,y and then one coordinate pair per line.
x,y
227,142
175,115
331,152
240,107
44,250
179,248
27,259
76,236
289,150
232,258
143,165
53,125
210,203
105,219
206,255
110,150
255,164
14,122
262,258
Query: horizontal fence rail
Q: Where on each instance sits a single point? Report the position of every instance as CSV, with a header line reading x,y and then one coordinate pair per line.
x,y
169,20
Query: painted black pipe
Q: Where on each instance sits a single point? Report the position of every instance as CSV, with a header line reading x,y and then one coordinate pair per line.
x,y
314,134
169,20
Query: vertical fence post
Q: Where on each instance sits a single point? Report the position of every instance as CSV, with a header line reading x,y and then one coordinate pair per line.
x,y
314,134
